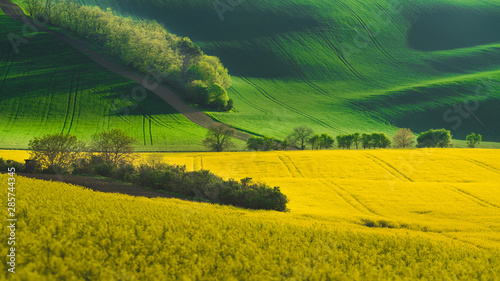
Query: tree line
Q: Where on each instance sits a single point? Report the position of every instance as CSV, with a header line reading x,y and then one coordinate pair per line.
x,y
111,154
146,46
219,139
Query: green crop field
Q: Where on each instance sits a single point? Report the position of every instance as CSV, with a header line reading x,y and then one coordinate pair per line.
x,y
336,66
48,87
349,65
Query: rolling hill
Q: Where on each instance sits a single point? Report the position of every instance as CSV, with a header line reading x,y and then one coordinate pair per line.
x,y
343,66
349,65
49,87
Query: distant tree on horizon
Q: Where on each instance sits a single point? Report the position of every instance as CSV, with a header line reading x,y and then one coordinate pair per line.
x,y
434,138
114,146
403,138
219,138
473,140
300,136
56,151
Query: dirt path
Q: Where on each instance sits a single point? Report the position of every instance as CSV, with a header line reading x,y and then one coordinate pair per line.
x,y
101,185
193,114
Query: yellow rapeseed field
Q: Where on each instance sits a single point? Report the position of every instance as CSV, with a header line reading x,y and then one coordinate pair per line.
x,y
355,215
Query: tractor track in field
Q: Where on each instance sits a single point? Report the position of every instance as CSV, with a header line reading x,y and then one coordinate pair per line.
x,y
193,114
389,168
197,163
74,102
461,241
6,73
109,103
18,100
291,167
349,198
368,32
69,101
295,66
5,62
472,197
384,10
144,128
482,165
52,83
275,100
339,54
282,104
230,63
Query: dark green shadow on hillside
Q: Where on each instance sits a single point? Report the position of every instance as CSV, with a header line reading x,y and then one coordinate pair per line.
x,y
452,28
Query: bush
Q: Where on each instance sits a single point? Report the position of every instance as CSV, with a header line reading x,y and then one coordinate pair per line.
x,y
252,195
6,164
262,144
103,169
206,185
217,96
434,138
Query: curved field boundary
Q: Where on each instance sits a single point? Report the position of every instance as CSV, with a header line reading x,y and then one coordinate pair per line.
x,y
191,113
369,32
389,168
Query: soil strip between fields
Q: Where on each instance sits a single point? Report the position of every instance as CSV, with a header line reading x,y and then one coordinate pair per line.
x,y
102,185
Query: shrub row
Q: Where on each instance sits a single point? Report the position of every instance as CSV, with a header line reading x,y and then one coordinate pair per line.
x,y
146,46
200,184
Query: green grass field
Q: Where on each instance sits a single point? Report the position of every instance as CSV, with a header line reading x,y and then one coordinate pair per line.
x,y
48,87
349,65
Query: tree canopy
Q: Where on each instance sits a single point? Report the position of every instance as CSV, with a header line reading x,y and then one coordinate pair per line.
x,y
143,44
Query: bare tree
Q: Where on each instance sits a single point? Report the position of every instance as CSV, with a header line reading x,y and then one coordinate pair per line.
x,y
300,136
219,138
403,138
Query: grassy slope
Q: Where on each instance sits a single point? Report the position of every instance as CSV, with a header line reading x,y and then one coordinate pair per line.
x,y
290,64
39,87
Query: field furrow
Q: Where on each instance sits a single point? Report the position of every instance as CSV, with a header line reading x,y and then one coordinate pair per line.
x,y
391,171
348,198
351,195
68,108
483,165
75,102
369,32
290,166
